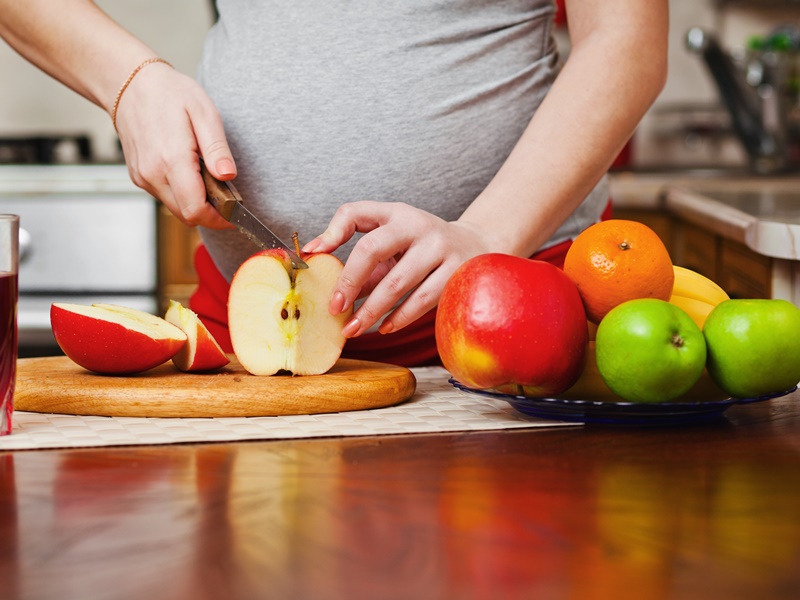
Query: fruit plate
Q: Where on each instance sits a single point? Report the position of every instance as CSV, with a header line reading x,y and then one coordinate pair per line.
x,y
618,413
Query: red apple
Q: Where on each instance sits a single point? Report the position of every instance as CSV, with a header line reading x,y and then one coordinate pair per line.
x,y
114,340
505,321
278,316
201,351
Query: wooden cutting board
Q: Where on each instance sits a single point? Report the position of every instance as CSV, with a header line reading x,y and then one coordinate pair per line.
x,y
58,385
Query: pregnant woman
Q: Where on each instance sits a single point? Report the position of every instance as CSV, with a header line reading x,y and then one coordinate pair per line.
x,y
405,137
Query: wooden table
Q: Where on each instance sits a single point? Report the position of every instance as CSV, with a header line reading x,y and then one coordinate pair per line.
x,y
704,511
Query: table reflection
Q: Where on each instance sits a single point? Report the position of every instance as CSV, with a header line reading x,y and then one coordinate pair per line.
x,y
711,511
9,528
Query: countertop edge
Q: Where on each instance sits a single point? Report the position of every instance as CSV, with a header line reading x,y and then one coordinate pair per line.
x,y
770,238
693,201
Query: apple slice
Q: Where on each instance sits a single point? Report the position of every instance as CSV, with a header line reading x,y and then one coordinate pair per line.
x,y
114,340
278,316
201,351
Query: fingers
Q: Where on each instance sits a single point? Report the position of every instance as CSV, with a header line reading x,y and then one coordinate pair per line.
x,y
185,179
400,254
369,253
404,253
349,218
186,186
416,271
213,144
180,188
420,301
168,121
387,237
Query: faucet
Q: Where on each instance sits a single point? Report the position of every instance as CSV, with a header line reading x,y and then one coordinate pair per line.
x,y
755,101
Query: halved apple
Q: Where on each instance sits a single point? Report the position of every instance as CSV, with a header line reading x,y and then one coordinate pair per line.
x,y
278,316
114,340
201,351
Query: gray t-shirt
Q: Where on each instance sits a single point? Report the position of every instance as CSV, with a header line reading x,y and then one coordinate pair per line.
x,y
332,101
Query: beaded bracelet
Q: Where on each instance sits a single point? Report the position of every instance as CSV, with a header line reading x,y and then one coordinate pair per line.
x,y
125,85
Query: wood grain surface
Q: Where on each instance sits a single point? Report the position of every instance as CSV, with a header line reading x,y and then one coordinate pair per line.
x,y
58,385
709,511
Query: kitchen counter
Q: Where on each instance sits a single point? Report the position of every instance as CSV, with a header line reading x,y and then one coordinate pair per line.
x,y
767,221
741,230
710,510
761,212
66,179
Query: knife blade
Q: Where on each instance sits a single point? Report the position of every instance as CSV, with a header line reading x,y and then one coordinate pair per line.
x,y
224,196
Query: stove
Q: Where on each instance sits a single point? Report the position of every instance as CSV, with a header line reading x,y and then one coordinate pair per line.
x,y
46,149
87,234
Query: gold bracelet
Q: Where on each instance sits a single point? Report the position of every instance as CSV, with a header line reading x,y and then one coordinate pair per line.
x,y
125,85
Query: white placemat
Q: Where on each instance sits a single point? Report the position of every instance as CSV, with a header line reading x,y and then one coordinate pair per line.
x,y
435,407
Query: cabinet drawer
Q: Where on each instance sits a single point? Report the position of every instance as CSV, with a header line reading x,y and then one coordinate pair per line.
x,y
698,250
659,222
743,273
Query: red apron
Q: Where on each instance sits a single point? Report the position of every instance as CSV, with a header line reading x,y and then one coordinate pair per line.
x,y
412,346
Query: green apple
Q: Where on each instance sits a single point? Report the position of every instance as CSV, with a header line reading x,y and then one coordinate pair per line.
x,y
754,346
649,350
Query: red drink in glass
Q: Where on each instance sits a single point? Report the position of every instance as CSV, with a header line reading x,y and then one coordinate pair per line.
x,y
8,348
9,267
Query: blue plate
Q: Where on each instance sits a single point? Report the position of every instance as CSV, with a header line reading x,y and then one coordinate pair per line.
x,y
618,413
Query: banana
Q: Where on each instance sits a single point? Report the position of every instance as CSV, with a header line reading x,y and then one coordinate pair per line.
x,y
592,330
590,386
698,310
696,294
705,390
691,284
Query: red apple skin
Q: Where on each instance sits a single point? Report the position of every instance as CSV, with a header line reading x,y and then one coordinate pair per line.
x,y
509,321
201,352
281,255
207,356
108,348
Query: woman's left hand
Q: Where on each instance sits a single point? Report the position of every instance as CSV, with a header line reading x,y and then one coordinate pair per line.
x,y
404,249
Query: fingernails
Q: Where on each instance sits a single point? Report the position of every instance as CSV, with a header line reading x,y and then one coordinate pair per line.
x,y
225,166
352,328
386,327
336,306
312,245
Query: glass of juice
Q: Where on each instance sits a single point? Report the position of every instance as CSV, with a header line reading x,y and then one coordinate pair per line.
x,y
9,268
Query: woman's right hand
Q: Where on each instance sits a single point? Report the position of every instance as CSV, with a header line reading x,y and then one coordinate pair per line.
x,y
166,121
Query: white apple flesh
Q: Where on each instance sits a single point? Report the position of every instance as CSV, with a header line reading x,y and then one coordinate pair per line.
x,y
278,317
201,351
114,340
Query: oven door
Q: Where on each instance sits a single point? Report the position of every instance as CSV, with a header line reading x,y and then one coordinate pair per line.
x,y
82,242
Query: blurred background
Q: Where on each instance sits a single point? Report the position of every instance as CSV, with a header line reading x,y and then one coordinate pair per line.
x,y
686,125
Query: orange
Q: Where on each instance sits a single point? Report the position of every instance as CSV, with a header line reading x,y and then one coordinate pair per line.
x,y
617,260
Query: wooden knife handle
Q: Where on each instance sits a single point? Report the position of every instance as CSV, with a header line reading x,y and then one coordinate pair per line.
x,y
220,194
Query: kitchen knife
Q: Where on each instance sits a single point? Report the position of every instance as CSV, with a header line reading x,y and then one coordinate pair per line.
x,y
223,196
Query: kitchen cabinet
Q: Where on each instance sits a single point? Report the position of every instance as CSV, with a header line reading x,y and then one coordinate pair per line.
x,y
659,221
740,271
741,231
743,273
735,267
696,248
689,245
176,247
